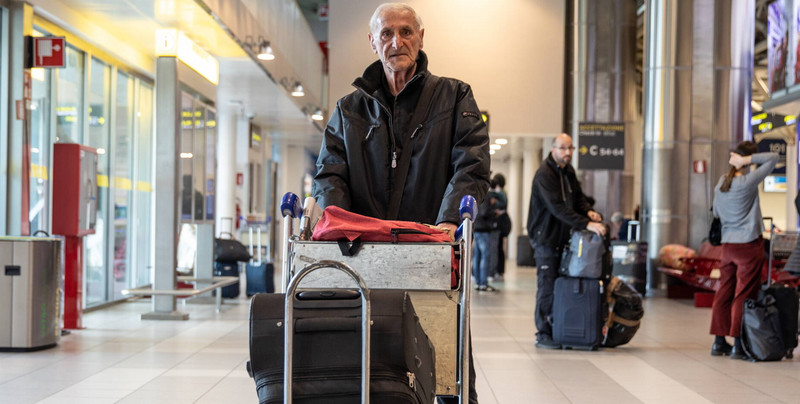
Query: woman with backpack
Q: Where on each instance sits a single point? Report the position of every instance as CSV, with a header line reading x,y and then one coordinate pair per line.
x,y
737,205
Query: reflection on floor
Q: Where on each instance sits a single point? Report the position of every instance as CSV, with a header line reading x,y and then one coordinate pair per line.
x,y
119,358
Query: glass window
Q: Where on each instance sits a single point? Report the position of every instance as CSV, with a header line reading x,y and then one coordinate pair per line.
x,y
123,181
99,132
187,137
40,149
211,162
69,98
199,159
142,217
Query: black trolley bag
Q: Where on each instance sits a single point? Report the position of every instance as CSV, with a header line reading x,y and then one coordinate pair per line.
x,y
578,302
258,272
324,352
630,258
770,323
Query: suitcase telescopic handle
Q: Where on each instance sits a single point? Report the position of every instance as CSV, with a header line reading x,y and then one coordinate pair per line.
x,y
288,320
771,250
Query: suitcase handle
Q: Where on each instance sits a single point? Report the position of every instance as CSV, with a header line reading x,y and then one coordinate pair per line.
x,y
288,320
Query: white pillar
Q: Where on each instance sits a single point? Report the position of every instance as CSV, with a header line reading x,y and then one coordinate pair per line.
x,y
226,167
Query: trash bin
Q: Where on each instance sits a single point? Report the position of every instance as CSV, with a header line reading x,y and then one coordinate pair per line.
x,y
30,293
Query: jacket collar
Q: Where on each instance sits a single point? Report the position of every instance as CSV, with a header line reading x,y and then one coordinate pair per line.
x,y
370,82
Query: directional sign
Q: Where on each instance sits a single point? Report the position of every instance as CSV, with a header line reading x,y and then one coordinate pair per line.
x,y
49,51
601,146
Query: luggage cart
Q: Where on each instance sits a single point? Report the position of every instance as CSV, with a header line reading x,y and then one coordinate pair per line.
x,y
422,269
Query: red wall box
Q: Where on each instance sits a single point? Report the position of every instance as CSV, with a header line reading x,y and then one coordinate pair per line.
x,y
74,189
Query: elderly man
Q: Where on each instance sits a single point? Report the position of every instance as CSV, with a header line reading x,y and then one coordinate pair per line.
x,y
557,206
405,144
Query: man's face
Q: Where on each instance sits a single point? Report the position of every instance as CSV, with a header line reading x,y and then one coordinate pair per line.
x,y
397,41
562,150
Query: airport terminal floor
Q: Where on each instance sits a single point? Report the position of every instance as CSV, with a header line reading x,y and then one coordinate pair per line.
x,y
119,358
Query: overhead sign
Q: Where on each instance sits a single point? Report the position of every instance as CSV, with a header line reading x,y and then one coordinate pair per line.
x,y
49,51
601,146
775,146
768,121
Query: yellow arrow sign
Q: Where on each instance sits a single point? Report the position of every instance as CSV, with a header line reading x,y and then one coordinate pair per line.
x,y
583,150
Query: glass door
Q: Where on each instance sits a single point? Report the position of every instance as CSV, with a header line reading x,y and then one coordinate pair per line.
x,y
142,215
40,144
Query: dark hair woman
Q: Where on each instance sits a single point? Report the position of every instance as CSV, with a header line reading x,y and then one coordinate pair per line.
x,y
737,205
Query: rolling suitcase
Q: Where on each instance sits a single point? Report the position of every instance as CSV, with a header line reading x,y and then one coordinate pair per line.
x,y
222,268
577,313
327,348
258,272
630,259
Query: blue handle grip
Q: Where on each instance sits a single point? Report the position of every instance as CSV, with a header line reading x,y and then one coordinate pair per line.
x,y
468,208
290,205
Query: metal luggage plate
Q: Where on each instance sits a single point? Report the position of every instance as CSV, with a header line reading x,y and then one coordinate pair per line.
x,y
409,266
438,315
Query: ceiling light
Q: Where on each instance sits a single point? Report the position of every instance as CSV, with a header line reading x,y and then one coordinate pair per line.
x,y
501,141
186,155
317,115
297,90
491,151
495,146
265,51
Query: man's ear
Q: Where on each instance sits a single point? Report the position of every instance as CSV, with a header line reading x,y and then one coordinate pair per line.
x,y
371,43
421,36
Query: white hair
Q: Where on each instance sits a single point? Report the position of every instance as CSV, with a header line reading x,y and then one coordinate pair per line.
x,y
396,7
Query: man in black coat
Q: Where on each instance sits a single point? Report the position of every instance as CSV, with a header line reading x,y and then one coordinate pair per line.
x,y
405,145
557,206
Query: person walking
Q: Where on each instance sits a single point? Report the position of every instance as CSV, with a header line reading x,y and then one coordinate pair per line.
x,y
736,204
557,206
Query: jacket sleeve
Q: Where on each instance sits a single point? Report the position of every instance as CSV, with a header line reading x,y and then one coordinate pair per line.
x,y
550,191
331,185
469,158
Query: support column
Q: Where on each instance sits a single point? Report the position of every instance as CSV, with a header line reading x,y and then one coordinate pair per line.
x,y
13,172
602,87
165,237
531,159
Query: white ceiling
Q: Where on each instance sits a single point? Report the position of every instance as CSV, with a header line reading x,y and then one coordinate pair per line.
x,y
135,22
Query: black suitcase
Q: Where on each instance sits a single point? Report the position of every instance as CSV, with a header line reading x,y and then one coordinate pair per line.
x,y
630,259
761,334
577,313
259,273
786,301
327,349
227,269
524,252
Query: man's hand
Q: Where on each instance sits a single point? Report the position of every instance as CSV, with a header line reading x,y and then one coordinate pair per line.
x,y
597,228
594,216
448,228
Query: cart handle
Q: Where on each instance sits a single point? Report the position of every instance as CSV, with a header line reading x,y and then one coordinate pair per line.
x,y
288,336
468,207
290,205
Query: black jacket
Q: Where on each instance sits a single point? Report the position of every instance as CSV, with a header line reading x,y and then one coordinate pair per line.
x,y
557,205
449,150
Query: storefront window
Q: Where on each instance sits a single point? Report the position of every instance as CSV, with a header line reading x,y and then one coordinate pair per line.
x,y
187,141
40,149
211,162
99,98
144,189
69,98
123,181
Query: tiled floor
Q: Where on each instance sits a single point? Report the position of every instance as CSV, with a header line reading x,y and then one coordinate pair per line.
x,y
119,358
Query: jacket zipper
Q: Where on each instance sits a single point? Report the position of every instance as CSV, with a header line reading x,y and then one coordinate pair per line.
x,y
371,130
391,126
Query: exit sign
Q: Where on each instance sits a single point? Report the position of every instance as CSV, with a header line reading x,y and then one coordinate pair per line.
x,y
49,51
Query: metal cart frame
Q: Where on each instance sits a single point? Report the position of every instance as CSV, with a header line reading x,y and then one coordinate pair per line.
x,y
293,273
